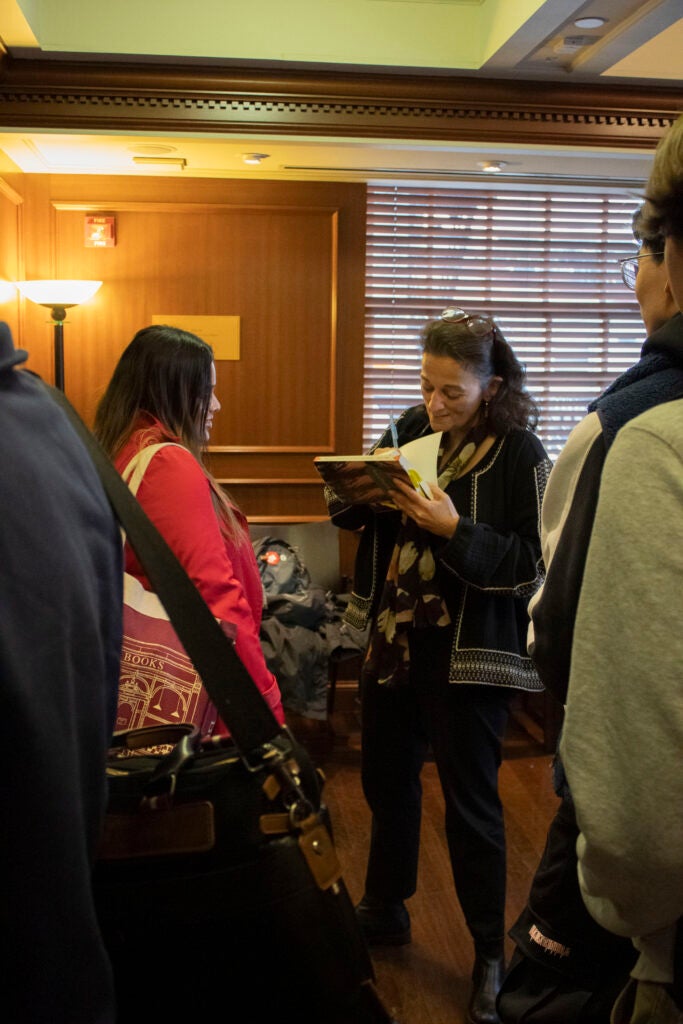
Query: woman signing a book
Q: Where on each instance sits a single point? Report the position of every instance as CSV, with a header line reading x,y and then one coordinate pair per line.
x,y
445,582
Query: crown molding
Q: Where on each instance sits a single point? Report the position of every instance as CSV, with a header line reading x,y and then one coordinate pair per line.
x,y
72,96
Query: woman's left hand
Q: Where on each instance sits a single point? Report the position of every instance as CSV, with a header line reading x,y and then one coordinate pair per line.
x,y
437,514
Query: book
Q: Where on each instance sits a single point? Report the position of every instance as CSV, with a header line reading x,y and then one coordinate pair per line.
x,y
363,479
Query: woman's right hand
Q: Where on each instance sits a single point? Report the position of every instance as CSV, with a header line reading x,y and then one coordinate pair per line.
x,y
437,514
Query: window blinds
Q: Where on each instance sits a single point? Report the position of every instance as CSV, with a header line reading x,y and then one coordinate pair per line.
x,y
545,265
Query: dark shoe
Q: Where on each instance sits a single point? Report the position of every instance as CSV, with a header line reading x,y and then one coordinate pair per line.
x,y
487,977
383,923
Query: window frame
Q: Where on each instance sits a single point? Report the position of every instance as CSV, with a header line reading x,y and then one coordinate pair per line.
x,y
543,262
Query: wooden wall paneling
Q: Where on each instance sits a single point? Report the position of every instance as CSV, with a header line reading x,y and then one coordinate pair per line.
x,y
11,218
284,272
351,326
288,258
271,267
279,500
37,242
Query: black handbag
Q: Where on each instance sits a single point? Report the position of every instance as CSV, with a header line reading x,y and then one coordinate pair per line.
x,y
217,885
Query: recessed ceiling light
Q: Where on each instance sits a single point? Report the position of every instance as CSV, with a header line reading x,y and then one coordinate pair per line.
x,y
254,158
492,166
590,22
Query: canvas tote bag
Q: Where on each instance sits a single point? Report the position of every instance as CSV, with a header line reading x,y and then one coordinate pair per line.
x,y
217,881
158,683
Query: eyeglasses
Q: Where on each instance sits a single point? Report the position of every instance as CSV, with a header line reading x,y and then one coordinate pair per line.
x,y
477,325
629,268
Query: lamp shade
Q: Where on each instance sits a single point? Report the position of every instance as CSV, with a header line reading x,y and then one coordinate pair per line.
x,y
58,293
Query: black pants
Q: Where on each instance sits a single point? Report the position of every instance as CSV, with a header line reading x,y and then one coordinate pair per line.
x,y
581,985
463,724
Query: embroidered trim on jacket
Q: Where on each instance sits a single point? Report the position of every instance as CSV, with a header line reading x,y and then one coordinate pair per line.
x,y
495,668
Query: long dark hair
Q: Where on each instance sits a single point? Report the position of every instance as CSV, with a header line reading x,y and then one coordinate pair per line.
x,y
166,373
486,353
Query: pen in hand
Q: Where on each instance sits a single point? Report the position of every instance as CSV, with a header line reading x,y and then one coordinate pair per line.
x,y
394,432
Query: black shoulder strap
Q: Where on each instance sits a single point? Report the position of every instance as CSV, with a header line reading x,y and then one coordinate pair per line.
x,y
229,685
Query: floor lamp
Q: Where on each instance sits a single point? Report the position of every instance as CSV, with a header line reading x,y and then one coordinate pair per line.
x,y
58,296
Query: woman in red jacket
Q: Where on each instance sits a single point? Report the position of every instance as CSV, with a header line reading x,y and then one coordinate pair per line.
x,y
162,390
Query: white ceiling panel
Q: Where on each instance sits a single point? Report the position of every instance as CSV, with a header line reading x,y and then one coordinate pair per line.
x,y
623,41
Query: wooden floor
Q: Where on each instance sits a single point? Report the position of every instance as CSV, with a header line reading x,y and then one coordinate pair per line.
x,y
428,982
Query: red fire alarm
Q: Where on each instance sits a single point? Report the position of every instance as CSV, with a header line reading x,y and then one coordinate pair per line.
x,y
100,232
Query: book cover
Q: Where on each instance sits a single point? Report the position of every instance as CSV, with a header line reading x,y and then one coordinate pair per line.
x,y
362,479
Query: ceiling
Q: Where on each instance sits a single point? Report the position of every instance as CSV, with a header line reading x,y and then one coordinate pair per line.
x,y
636,42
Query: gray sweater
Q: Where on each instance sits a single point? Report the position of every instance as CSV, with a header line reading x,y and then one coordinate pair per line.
x,y
623,731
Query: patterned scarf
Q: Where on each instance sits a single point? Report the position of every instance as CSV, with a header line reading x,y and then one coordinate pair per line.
x,y
409,597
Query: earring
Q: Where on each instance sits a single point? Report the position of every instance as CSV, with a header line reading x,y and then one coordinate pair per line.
x,y
486,408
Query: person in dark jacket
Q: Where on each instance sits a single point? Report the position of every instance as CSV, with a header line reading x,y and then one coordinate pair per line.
x,y
593,963
445,582
60,639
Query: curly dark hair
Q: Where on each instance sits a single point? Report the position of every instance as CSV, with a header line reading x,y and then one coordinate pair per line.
x,y
486,355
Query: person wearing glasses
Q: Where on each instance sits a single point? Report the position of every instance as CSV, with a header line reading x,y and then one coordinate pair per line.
x,y
445,582
595,963
623,732
645,274
572,491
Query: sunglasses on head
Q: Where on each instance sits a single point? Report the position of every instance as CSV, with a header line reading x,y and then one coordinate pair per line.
x,y
477,325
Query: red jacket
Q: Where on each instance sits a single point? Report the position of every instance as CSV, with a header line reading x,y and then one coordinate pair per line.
x,y
176,495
